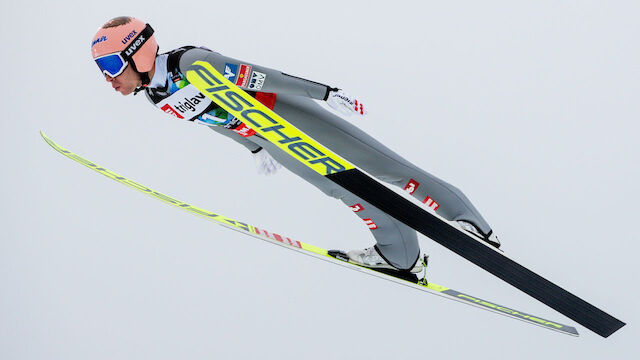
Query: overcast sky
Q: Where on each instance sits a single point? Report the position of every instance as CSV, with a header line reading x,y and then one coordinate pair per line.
x,y
531,108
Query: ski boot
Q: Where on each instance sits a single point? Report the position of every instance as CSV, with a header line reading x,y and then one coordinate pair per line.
x,y
489,238
369,257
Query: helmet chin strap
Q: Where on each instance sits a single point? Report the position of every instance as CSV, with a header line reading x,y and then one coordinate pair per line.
x,y
142,86
144,78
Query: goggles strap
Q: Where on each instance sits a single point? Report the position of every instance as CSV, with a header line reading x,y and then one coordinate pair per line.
x,y
137,43
134,46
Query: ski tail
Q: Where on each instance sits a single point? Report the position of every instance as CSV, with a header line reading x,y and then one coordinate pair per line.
x,y
486,257
466,298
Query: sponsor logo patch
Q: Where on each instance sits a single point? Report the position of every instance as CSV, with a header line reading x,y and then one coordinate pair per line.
x,y
132,48
175,77
100,39
131,35
244,131
370,224
243,75
356,208
185,103
230,71
169,110
358,108
431,203
412,186
275,129
257,80
277,237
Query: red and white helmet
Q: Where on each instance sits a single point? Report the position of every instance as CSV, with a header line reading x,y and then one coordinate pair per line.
x,y
131,38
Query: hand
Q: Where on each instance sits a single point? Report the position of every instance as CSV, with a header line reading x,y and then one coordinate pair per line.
x,y
266,165
345,103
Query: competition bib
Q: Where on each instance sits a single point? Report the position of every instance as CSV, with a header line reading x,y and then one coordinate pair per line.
x,y
186,103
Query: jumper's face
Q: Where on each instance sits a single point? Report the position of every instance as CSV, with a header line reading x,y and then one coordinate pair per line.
x,y
126,82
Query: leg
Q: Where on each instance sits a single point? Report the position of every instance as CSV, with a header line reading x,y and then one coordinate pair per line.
x,y
370,155
397,242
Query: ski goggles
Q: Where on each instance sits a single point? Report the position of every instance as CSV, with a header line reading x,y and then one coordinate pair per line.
x,y
114,64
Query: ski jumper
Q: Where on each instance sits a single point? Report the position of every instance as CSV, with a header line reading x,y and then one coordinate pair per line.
x,y
295,99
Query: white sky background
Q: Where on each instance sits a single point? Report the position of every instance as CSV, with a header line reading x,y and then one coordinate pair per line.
x,y
531,108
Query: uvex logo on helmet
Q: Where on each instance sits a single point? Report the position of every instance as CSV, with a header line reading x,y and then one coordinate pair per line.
x,y
129,37
134,46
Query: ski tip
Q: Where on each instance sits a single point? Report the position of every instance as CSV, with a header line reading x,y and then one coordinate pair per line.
x,y
45,137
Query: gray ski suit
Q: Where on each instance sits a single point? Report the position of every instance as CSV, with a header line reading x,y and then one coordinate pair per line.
x,y
296,100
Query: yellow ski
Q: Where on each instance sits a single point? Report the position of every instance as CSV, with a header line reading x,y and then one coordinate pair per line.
x,y
314,251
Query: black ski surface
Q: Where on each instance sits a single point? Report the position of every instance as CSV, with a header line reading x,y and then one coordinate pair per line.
x,y
312,154
481,255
